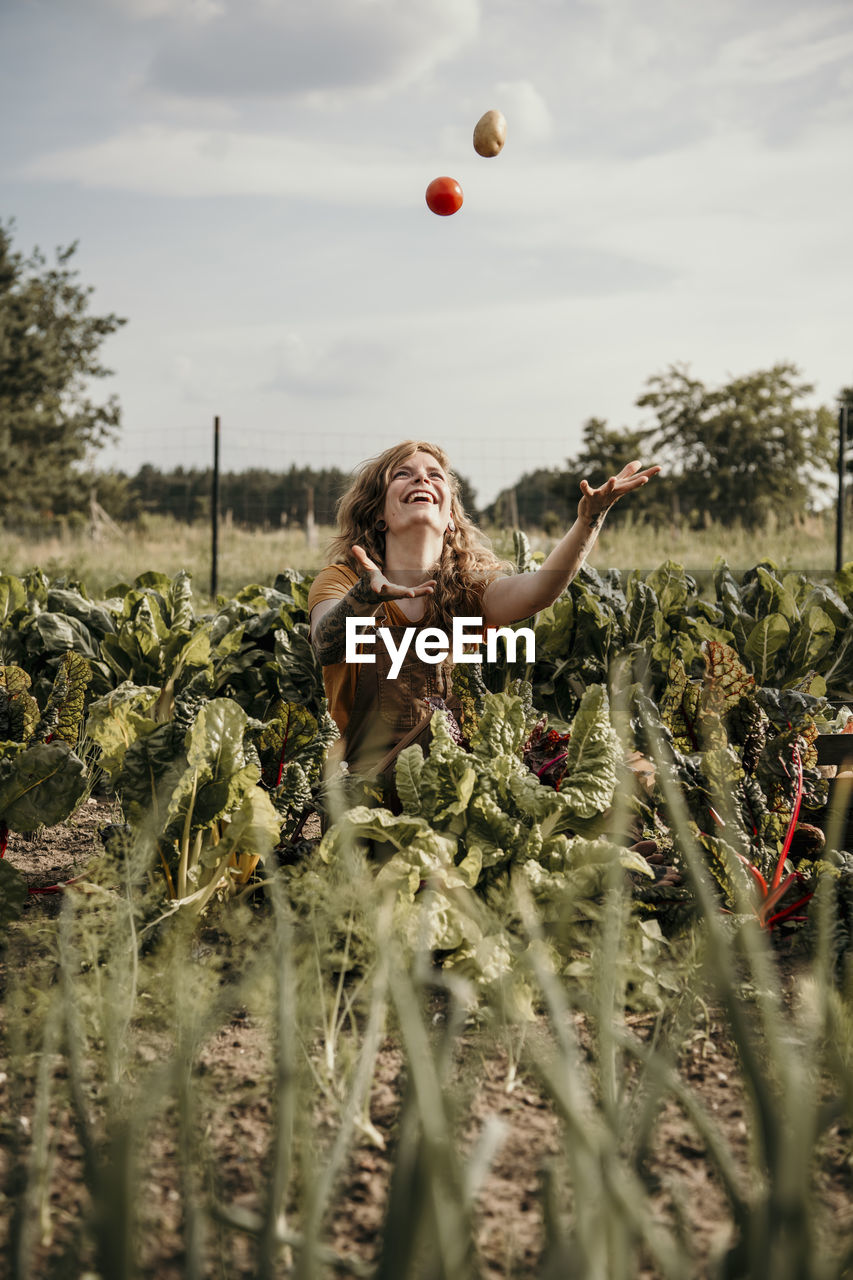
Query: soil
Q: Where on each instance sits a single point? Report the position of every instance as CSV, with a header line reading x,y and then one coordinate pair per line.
x,y
237,1122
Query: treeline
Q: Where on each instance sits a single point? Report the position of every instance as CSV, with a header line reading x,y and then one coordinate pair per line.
x,y
739,453
255,499
736,453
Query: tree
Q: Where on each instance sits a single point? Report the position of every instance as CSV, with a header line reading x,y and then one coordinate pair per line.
x,y
536,500
740,452
548,498
49,345
606,451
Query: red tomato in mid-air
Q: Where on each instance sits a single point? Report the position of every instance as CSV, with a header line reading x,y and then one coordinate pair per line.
x,y
444,196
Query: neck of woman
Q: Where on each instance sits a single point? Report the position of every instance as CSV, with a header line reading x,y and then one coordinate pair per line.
x,y
411,557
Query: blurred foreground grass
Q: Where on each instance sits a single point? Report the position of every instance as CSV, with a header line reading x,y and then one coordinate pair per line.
x,y
258,555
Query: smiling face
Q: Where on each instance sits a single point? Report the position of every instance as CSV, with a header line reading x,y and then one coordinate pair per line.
x,y
418,494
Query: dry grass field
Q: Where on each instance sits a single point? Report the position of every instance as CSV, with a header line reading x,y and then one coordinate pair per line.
x,y
257,556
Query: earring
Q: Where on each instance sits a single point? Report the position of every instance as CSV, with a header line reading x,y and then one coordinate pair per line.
x,y
451,527
381,526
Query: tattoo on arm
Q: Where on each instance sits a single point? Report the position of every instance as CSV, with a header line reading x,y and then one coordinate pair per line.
x,y
329,638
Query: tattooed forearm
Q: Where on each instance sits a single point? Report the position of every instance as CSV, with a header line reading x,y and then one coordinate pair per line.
x,y
329,635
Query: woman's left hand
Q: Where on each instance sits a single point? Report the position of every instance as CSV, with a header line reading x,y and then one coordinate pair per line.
x,y
595,503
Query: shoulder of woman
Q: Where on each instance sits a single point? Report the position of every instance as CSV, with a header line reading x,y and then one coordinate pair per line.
x,y
334,580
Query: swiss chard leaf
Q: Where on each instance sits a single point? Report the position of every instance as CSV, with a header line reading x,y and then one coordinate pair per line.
x,y
766,641
63,712
810,643
19,710
41,785
592,757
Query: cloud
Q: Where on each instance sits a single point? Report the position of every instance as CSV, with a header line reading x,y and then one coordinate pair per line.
x,y
522,103
185,162
328,367
258,47
136,10
803,44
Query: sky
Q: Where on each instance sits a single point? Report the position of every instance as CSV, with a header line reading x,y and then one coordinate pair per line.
x,y
245,181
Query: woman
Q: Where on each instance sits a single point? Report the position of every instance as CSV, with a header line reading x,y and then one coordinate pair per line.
x,y
407,555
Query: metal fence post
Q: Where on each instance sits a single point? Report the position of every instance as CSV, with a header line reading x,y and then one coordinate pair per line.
x,y
214,513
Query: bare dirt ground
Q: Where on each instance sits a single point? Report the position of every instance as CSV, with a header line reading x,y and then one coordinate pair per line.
x,y
237,1119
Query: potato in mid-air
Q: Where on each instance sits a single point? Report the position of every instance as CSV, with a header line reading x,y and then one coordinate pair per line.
x,y
489,134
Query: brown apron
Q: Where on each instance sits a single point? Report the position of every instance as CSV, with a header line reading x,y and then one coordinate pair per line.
x,y
388,715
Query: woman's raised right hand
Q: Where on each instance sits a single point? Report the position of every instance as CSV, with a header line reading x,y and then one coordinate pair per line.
x,y
380,585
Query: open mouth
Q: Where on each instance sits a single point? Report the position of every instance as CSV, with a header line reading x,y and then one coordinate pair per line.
x,y
421,496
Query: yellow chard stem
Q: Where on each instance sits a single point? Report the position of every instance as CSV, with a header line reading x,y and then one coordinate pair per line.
x,y
185,841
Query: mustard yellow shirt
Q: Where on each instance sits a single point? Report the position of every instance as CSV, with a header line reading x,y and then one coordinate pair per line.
x,y
339,678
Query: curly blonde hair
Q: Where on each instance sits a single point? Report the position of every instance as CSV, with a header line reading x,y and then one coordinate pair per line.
x,y
467,564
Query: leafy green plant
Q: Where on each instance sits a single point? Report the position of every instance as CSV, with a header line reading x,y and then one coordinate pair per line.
x,y
189,785
42,780
472,818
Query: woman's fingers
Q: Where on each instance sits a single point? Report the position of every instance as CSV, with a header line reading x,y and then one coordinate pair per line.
x,y
364,559
384,589
635,471
632,476
595,502
393,591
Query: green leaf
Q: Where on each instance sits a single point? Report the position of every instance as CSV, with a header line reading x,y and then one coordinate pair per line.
x,y
593,757
185,649
19,711
407,778
57,634
602,852
766,640
293,795
552,811
727,592
726,679
596,623
810,643
445,781
253,827
180,597
839,671
13,597
73,604
497,832
521,553
768,595
502,729
152,580
220,768
701,630
640,623
423,846
117,719
286,736
150,769
63,710
40,786
554,628
298,672
673,589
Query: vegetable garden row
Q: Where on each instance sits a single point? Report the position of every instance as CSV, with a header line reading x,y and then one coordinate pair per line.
x,y
212,729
